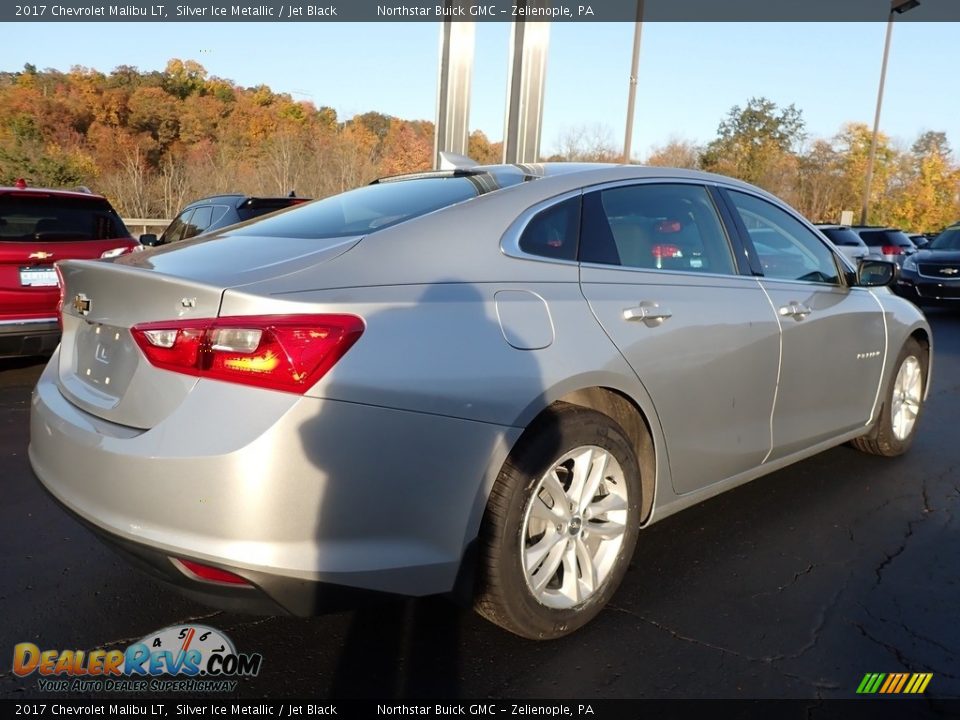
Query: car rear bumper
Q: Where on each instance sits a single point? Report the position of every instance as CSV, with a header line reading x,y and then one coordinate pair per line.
x,y
28,337
310,498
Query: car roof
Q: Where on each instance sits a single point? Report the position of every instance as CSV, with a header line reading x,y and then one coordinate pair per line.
x,y
584,174
47,192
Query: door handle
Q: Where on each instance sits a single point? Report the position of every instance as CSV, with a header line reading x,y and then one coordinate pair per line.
x,y
650,313
798,311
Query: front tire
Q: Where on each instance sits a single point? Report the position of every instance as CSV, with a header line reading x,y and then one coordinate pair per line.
x,y
561,524
902,405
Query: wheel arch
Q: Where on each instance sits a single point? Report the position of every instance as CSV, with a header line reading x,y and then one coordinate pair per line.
x,y
634,414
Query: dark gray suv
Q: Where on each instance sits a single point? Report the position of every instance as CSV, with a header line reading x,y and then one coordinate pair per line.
x,y
215,212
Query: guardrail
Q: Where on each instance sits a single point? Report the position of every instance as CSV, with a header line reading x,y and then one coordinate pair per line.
x,y
139,226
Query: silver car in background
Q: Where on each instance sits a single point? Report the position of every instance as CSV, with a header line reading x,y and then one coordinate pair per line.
x,y
848,243
482,382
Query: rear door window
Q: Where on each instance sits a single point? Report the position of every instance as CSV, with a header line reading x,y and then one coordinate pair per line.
x,y
655,227
199,221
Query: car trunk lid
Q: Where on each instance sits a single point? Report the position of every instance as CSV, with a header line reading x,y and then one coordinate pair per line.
x,y
102,370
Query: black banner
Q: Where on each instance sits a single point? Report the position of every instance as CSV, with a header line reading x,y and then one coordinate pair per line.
x,y
874,709
473,10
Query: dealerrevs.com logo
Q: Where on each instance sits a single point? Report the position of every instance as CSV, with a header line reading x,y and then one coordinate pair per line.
x,y
179,658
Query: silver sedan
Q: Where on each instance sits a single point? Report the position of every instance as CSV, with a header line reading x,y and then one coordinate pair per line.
x,y
483,382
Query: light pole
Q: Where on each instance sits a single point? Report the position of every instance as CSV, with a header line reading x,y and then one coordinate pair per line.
x,y
632,93
897,7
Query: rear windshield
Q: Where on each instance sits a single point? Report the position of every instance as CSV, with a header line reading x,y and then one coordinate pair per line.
x,y
373,207
255,207
886,237
949,239
48,219
843,236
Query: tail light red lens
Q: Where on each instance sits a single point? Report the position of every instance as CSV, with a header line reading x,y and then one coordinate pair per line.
x,y
892,250
281,352
663,250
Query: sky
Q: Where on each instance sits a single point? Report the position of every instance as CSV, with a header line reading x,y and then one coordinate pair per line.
x,y
690,74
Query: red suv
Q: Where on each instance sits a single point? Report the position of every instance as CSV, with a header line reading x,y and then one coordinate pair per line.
x,y
37,228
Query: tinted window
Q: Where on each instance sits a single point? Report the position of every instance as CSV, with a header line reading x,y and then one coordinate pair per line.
x,y
255,207
875,238
176,230
369,208
949,239
553,232
29,218
199,221
656,227
787,249
843,236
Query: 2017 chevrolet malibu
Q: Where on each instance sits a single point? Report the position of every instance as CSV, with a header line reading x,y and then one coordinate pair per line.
x,y
485,380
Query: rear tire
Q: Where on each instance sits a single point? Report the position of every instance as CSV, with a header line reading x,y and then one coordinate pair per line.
x,y
560,526
902,404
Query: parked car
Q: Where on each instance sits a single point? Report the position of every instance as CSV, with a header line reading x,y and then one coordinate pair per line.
x,y
932,276
482,382
38,227
847,242
919,240
217,211
886,243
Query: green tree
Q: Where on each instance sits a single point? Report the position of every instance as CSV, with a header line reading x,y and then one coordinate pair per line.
x,y
757,143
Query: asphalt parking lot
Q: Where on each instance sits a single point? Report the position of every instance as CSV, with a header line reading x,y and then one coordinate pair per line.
x,y
795,585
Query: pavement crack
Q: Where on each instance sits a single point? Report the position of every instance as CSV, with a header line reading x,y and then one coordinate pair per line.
x,y
912,633
905,662
686,638
926,511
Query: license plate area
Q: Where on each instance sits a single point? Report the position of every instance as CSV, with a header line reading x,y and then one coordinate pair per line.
x,y
105,356
38,277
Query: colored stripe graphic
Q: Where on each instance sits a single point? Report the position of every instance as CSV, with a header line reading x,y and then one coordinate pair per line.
x,y
894,683
903,680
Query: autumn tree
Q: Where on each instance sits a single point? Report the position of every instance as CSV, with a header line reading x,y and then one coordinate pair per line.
x,y
675,153
927,199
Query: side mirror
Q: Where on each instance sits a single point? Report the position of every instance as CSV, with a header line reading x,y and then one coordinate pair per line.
x,y
876,273
149,240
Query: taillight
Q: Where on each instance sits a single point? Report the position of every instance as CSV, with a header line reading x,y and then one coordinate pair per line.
x,y
281,352
892,250
115,252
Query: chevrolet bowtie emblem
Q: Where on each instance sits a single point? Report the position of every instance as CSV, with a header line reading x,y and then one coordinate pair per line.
x,y
950,271
82,304
40,255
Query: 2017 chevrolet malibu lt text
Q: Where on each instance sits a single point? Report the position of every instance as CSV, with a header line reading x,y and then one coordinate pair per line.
x,y
483,380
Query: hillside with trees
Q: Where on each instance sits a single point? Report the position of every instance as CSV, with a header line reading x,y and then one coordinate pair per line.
x,y
153,141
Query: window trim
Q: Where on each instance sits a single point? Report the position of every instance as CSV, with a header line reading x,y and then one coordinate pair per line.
x,y
510,241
